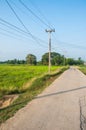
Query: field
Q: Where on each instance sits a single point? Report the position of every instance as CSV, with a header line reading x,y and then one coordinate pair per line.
x,y
16,79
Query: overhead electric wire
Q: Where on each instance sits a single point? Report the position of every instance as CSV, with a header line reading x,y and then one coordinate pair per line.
x,y
33,13
41,13
18,18
35,21
34,38
8,24
10,35
37,8
24,25
14,34
11,26
23,33
54,35
24,12
70,44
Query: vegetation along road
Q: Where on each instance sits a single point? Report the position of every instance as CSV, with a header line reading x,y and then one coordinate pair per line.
x,y
57,108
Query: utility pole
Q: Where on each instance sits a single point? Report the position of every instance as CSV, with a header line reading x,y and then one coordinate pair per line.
x,y
50,31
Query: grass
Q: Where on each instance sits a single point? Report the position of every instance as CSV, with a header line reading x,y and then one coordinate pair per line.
x,y
15,79
83,69
37,86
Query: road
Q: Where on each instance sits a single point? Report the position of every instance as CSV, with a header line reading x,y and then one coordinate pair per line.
x,y
57,108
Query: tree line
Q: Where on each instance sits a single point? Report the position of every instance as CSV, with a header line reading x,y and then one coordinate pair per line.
x,y
56,59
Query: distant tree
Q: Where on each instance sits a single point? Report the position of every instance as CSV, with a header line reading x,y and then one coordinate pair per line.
x,y
21,62
45,59
12,61
80,61
15,61
31,59
70,61
56,59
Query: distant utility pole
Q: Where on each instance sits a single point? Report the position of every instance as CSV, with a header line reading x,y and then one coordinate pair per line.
x,y
50,31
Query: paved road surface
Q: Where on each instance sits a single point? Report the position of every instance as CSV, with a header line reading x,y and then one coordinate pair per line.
x,y
57,108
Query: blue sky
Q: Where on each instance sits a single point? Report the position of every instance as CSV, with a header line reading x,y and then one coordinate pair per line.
x,y
68,17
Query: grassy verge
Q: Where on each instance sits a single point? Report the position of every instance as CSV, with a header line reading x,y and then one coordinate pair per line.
x,y
83,69
36,88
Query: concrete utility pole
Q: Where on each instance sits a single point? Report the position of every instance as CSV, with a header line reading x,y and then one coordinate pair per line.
x,y
50,31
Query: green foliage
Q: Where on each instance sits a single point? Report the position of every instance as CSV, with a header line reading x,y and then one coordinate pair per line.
x,y
71,61
56,59
14,61
31,59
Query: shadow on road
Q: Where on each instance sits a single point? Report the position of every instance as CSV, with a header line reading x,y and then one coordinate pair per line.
x,y
61,92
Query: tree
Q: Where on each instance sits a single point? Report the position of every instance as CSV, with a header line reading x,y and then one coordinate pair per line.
x,y
56,59
15,61
45,59
80,61
31,59
70,61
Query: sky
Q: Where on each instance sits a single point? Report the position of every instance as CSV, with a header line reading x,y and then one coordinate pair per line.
x,y
22,28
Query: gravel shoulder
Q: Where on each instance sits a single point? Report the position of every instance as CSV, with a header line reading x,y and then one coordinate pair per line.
x,y
57,108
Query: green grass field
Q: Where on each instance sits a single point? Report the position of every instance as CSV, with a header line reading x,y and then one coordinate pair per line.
x,y
15,78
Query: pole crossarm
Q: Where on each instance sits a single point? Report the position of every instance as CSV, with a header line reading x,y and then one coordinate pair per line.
x,y
50,30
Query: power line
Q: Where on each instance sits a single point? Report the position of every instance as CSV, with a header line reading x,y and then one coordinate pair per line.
x,y
24,12
11,26
18,18
47,22
35,21
41,13
33,13
6,23
25,32
14,34
37,8
22,22
10,35
21,31
73,45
